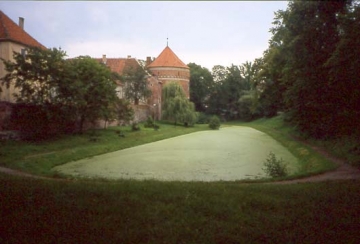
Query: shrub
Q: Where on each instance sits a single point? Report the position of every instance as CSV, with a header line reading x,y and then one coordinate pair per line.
x,y
135,127
156,127
149,122
214,123
275,167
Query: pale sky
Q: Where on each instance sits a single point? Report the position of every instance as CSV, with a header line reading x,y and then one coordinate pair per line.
x,y
206,33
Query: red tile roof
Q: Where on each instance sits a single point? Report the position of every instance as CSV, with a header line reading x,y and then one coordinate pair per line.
x,y
167,58
10,31
118,65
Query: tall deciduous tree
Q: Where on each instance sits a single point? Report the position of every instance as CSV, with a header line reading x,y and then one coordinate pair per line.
x,y
306,35
136,87
201,86
91,88
175,106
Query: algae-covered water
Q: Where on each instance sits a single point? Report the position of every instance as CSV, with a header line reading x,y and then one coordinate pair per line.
x,y
231,153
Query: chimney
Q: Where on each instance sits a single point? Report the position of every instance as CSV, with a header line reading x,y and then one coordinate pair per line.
x,y
21,22
129,56
104,59
148,61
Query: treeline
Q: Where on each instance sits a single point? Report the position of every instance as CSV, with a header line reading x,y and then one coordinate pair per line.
x,y
310,71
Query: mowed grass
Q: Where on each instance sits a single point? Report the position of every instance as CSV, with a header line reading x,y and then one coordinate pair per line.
x,y
43,211
40,157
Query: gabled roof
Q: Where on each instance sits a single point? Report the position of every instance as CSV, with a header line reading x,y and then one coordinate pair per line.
x,y
118,65
10,31
167,58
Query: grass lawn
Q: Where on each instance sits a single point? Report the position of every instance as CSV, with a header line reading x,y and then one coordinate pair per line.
x,y
42,211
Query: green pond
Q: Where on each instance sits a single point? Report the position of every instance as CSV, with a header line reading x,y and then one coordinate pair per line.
x,y
228,154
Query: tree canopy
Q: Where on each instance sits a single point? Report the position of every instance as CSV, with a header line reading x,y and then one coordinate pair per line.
x,y
175,106
136,86
79,89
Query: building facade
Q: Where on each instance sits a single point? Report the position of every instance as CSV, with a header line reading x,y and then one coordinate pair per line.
x,y
13,38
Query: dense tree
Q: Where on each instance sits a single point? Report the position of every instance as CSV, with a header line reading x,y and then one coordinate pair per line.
x,y
344,67
61,90
92,90
229,87
37,76
176,107
136,86
304,38
201,86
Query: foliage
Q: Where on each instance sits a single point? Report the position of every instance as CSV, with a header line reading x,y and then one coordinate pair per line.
x,y
135,127
275,167
310,67
136,86
36,122
90,89
38,75
201,86
149,122
214,123
81,88
203,118
237,91
176,107
124,111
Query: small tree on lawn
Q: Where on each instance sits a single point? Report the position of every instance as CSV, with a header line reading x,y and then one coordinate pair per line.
x,y
176,107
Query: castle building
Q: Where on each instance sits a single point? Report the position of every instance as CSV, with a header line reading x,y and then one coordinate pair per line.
x,y
167,67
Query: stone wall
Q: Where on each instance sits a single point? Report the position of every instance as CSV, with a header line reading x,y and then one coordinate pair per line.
x,y
141,112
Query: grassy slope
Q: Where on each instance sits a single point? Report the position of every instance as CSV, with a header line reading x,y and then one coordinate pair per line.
x,y
39,158
38,211
310,161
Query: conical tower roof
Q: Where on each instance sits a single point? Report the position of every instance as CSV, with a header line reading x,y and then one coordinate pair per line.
x,y
9,31
167,58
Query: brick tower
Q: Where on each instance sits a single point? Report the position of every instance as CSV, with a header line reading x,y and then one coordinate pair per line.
x,y
167,67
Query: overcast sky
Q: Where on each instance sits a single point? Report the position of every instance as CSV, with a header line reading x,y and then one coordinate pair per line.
x,y
206,33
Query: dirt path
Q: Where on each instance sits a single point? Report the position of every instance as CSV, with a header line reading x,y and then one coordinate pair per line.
x,y
343,172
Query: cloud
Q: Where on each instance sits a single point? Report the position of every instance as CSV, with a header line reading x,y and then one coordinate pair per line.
x,y
112,48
